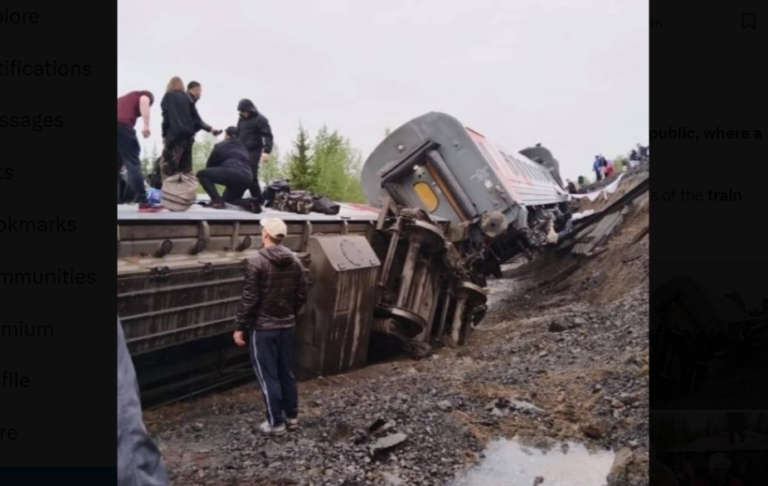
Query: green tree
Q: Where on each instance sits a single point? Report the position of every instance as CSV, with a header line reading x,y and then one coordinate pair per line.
x,y
353,189
299,162
337,167
273,168
329,161
202,150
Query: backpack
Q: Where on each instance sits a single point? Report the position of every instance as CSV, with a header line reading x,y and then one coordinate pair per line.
x,y
274,188
299,202
179,192
323,205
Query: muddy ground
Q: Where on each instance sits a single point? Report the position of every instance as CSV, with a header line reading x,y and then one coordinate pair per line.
x,y
562,354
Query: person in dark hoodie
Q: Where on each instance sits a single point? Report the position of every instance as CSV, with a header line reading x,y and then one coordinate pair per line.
x,y
227,166
179,130
195,91
256,134
138,459
275,291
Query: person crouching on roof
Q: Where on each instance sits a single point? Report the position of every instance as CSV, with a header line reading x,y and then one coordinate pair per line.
x,y
227,166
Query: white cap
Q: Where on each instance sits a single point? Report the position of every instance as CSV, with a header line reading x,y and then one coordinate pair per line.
x,y
275,228
719,460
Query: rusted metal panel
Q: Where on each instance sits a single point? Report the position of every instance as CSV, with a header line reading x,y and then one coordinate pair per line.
x,y
179,297
173,302
334,332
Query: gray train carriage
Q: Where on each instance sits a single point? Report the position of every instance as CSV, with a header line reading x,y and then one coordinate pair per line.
x,y
180,278
499,202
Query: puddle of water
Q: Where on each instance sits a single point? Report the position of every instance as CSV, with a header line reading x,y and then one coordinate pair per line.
x,y
508,463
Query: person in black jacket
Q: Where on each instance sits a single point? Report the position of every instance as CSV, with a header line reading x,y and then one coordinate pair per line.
x,y
227,166
178,130
256,134
274,293
195,91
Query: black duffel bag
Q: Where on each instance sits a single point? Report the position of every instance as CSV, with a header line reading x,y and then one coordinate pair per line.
x,y
279,186
323,205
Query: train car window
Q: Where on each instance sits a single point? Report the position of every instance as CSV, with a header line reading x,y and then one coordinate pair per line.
x,y
537,171
528,170
534,172
518,167
512,164
427,196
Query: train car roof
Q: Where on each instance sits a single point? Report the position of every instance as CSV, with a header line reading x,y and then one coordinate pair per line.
x,y
478,165
347,212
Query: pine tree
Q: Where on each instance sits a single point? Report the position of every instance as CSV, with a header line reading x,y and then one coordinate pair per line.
x,y
329,160
299,162
353,189
337,167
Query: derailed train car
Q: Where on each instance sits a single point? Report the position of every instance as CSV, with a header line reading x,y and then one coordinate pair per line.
x,y
447,207
689,325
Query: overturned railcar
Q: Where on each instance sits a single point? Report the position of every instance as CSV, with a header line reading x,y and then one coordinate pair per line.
x,y
447,207
689,324
499,202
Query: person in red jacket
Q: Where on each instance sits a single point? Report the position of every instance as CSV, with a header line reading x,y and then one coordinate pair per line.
x,y
129,108
718,472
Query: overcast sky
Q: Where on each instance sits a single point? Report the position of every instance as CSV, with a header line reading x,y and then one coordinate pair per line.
x,y
571,74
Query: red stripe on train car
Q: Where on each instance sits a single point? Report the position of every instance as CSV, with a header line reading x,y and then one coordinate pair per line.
x,y
475,132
